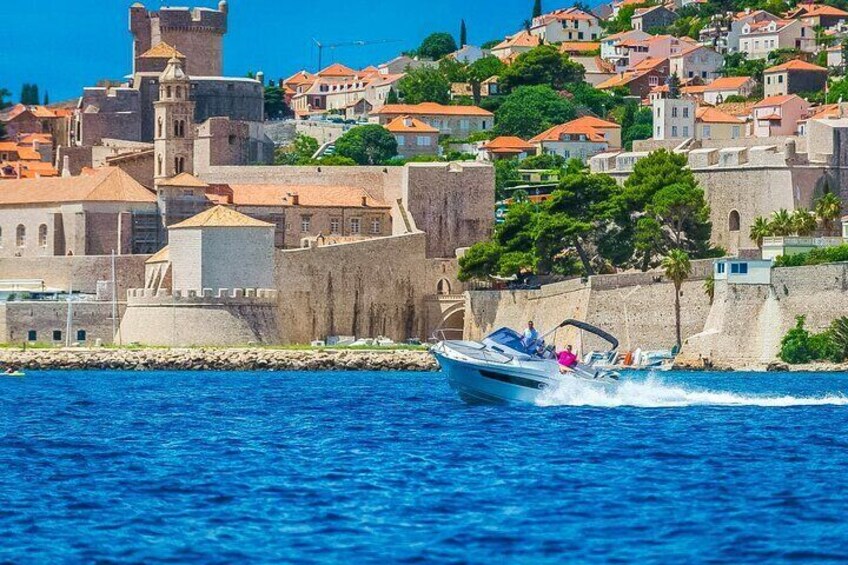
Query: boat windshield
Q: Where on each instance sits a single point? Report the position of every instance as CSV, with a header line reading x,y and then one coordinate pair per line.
x,y
508,338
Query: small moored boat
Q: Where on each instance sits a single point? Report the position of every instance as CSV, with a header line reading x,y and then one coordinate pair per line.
x,y
502,369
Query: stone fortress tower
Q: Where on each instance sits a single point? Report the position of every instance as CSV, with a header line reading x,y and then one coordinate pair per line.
x,y
197,33
174,113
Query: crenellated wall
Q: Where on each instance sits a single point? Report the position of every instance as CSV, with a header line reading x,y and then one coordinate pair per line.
x,y
203,317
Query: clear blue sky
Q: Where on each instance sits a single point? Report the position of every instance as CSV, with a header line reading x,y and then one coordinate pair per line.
x,y
63,45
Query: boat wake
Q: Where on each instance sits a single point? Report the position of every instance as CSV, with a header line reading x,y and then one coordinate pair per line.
x,y
653,393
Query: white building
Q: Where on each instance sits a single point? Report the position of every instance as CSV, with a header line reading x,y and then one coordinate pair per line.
x,y
568,24
221,248
698,62
758,39
742,271
674,118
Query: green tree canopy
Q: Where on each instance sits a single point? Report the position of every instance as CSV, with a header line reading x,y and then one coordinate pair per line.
x,y
542,65
298,152
367,145
29,95
275,103
530,110
437,45
424,84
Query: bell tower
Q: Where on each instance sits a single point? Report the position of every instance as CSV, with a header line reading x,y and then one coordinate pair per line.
x,y
174,128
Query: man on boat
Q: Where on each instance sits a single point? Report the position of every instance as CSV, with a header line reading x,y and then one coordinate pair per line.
x,y
567,360
531,337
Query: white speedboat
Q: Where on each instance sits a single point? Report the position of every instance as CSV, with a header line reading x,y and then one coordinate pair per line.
x,y
503,369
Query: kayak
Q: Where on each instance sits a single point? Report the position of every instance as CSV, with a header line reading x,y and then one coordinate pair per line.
x,y
15,374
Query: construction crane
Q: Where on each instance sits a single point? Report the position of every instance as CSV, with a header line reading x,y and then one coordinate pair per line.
x,y
358,43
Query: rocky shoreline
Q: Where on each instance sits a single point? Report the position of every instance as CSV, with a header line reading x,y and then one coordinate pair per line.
x,y
252,359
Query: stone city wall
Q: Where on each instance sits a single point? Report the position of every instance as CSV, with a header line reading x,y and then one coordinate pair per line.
x,y
637,308
90,321
81,272
365,289
746,322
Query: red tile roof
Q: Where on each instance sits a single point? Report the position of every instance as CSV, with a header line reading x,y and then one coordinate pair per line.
x,y
431,109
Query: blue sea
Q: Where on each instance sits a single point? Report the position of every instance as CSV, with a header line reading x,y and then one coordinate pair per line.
x,y
392,467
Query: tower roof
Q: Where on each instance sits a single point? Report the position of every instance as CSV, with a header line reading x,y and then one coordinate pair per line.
x,y
221,217
173,72
162,51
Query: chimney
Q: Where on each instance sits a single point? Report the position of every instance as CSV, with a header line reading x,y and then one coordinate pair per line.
x,y
66,166
364,200
295,199
260,76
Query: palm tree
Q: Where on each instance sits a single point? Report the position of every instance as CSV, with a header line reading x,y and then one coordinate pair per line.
x,y
709,287
760,229
677,268
828,208
781,223
803,222
839,337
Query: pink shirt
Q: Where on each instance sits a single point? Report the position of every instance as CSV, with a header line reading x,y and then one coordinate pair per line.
x,y
567,358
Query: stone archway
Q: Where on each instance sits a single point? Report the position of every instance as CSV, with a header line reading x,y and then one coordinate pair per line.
x,y
452,324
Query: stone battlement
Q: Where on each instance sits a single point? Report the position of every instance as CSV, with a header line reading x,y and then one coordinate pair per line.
x,y
206,296
182,18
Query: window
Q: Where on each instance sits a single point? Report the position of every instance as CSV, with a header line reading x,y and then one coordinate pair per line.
x,y
57,335
685,131
42,235
159,164
1,238
768,80
376,226
401,140
673,131
335,224
733,221
464,124
159,128
179,165
32,335
705,132
743,268
653,81
674,112
168,92
354,226
424,141
720,268
81,335
20,236
305,223
685,112
734,132
780,79
179,92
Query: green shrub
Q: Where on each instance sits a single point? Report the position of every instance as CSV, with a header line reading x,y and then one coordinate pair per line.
x,y
819,256
795,345
822,347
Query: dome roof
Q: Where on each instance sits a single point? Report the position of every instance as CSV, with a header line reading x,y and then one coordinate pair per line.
x,y
173,72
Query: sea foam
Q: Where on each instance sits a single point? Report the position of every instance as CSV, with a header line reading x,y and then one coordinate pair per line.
x,y
654,393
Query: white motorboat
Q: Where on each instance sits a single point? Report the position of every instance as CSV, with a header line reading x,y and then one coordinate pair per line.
x,y
502,368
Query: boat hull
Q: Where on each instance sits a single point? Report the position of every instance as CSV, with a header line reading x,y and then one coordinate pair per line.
x,y
481,383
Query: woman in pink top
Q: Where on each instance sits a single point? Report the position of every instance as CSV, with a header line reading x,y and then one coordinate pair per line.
x,y
567,359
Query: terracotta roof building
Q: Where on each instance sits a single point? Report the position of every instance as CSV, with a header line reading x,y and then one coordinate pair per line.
x,y
456,121
90,214
507,147
414,137
794,77
579,139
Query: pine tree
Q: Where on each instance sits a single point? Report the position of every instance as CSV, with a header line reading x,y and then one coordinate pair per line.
x,y
463,35
537,8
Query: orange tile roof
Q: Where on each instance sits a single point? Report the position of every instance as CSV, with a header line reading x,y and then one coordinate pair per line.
x,y
795,65
183,180
590,126
220,217
108,184
775,100
162,51
736,108
508,144
578,46
337,70
27,169
562,15
280,195
18,109
29,138
825,111
647,64
408,124
24,152
300,77
813,10
520,39
710,115
431,109
727,83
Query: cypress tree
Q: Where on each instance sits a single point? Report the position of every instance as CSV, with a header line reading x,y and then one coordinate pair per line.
x,y
46,98
463,35
537,8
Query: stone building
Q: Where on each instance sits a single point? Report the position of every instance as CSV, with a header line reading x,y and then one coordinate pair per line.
x,y
197,32
414,137
456,121
191,37
794,77
92,214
